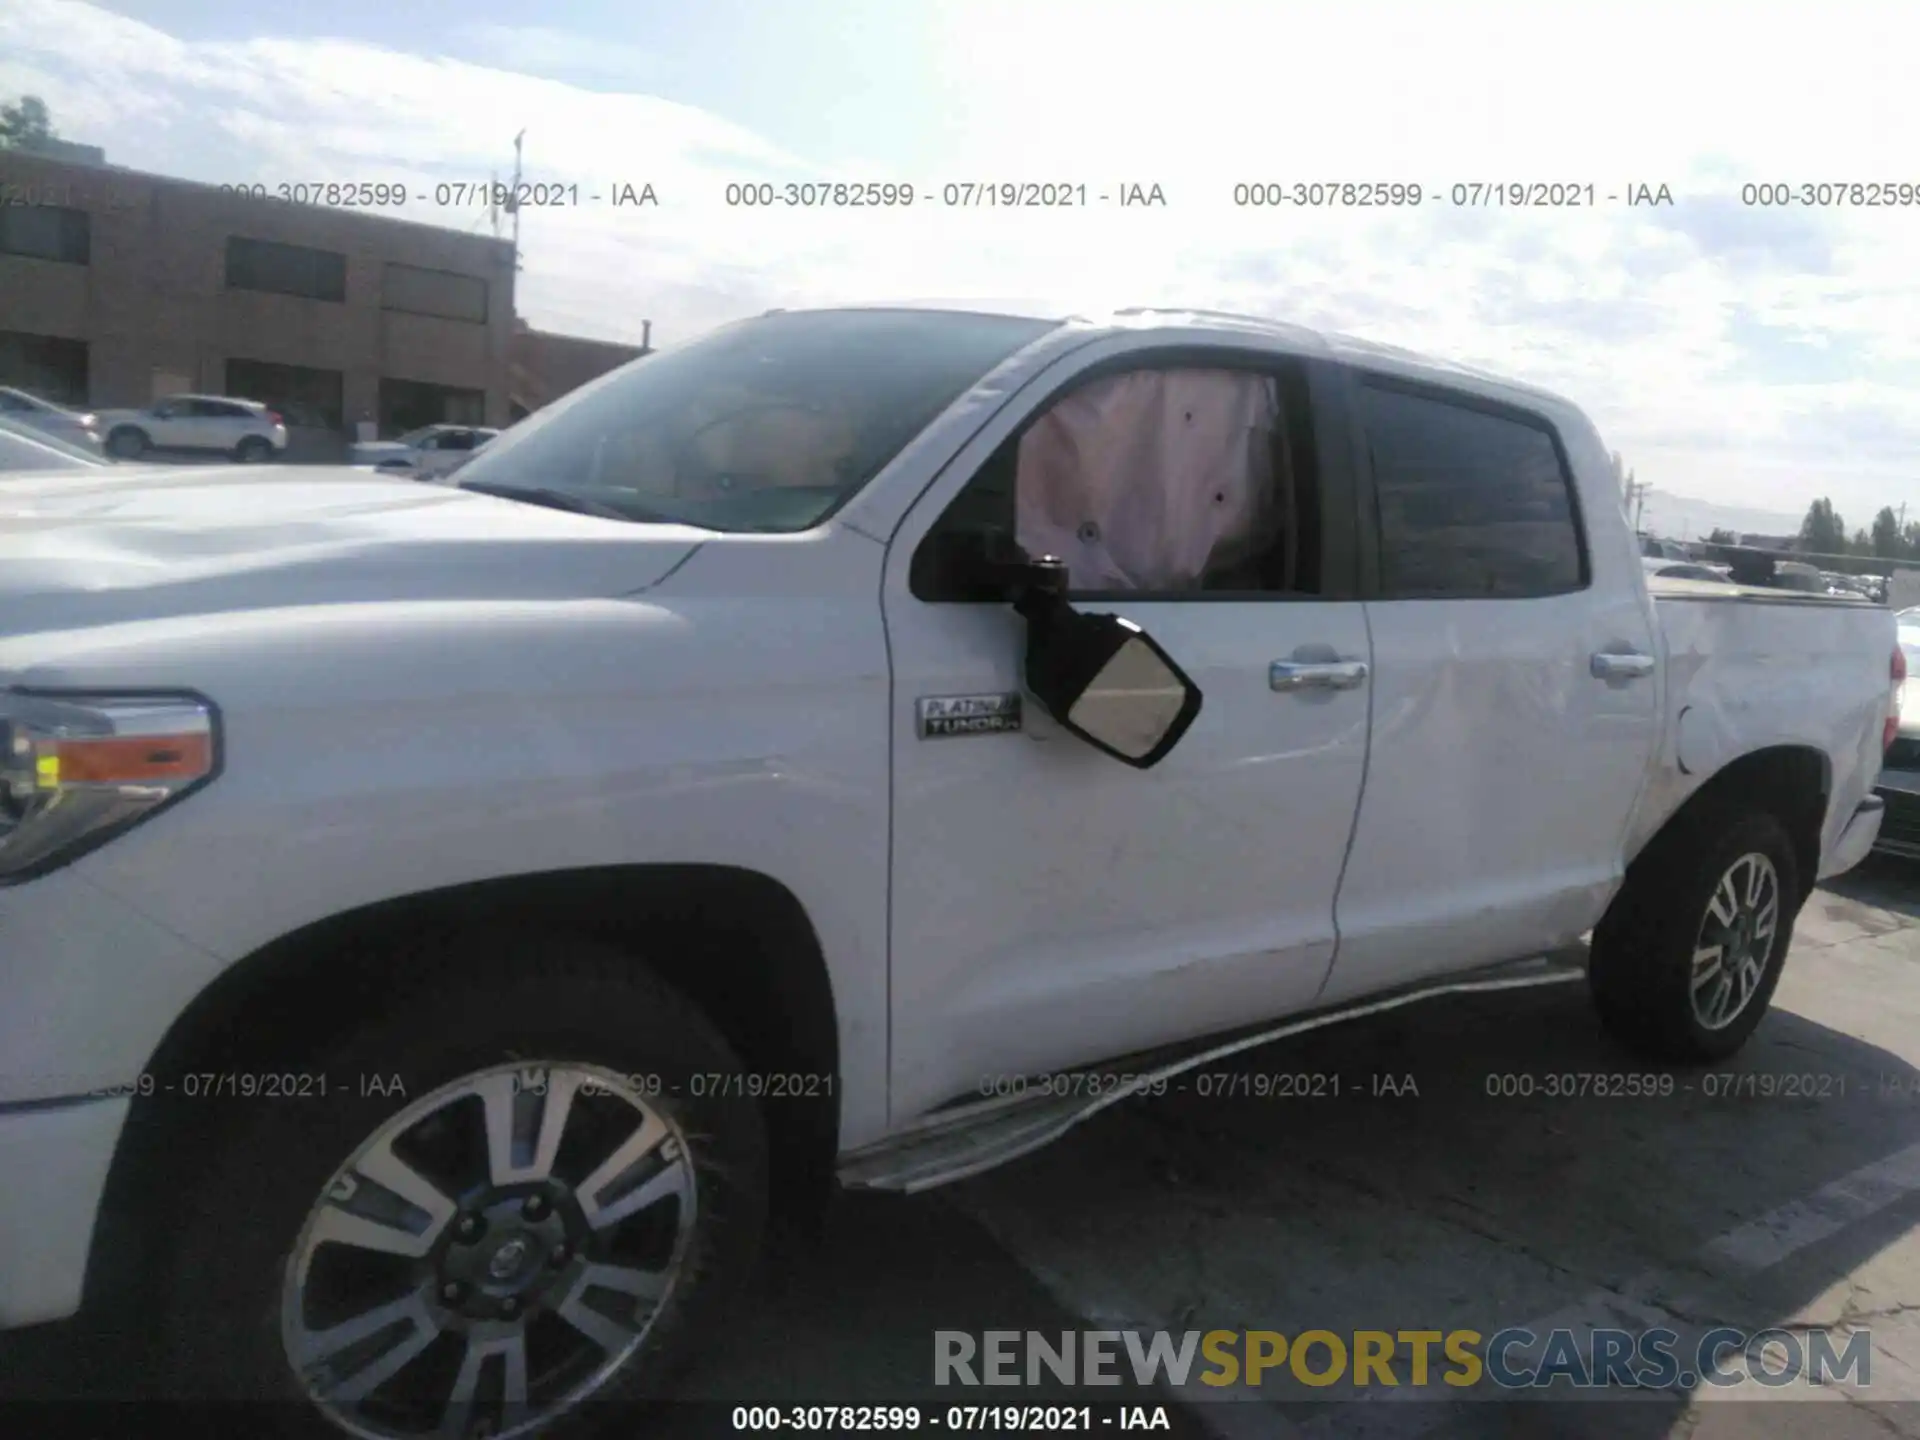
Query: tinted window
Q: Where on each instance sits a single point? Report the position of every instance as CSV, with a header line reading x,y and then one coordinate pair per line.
x,y
286,269
46,232
304,396
407,405
1471,503
765,425
434,292
48,365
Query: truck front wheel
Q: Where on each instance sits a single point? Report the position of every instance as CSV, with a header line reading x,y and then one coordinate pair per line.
x,y
1685,962
513,1194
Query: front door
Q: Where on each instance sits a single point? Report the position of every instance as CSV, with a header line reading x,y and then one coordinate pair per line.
x,y
170,422
1052,906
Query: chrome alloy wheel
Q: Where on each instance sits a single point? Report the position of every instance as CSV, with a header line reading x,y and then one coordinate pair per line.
x,y
1736,941
490,1256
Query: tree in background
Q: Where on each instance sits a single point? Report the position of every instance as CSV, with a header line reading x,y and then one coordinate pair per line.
x,y
1823,531
25,122
1723,537
1861,544
1886,534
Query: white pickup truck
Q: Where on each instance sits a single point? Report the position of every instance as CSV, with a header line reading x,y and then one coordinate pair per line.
x,y
439,921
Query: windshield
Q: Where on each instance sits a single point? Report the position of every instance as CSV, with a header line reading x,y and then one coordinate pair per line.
x,y
766,425
24,449
416,438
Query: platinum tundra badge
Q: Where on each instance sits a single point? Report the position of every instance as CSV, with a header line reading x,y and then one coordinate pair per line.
x,y
944,715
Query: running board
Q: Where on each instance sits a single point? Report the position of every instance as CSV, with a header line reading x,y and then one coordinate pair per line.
x,y
963,1140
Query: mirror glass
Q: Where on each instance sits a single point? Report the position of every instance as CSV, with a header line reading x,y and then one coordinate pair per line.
x,y
1132,703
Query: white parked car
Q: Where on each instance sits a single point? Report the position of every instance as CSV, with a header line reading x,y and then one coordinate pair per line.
x,y
429,451
441,921
246,430
74,427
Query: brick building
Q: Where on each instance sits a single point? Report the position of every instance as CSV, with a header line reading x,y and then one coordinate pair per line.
x,y
118,286
543,366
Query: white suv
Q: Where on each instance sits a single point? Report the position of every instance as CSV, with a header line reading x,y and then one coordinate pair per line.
x,y
244,429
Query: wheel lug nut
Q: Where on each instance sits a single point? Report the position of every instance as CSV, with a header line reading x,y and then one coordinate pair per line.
x,y
510,1306
452,1291
469,1227
557,1256
535,1208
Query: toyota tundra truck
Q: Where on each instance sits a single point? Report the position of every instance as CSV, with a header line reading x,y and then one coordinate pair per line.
x,y
440,924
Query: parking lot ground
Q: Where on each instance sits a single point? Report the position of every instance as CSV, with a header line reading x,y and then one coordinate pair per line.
x,y
1430,1178
1443,1187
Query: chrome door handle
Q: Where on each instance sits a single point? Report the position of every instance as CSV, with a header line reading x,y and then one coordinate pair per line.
x,y
1287,675
1608,666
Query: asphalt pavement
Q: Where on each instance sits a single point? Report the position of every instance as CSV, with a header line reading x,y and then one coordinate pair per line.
x,y
1471,1163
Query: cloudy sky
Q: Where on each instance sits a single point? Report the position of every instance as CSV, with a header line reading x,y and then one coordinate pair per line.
x,y
1745,356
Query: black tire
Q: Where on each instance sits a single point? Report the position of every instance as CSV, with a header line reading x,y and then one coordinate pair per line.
x,y
1642,967
129,442
252,450
241,1211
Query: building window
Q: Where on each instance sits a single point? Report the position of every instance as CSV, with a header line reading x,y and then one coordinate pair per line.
x,y
1473,503
285,269
434,292
304,397
46,232
50,366
410,404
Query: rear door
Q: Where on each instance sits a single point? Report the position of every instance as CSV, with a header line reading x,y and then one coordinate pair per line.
x,y
1052,906
1505,764
228,423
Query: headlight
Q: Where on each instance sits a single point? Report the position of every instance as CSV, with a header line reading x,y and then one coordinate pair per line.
x,y
75,771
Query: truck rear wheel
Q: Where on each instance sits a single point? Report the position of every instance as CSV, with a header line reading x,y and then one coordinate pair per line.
x,y
1685,962
513,1194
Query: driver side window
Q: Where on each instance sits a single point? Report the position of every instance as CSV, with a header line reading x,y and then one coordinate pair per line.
x,y
1174,482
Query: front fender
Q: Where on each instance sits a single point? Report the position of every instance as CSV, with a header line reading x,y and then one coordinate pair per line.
x,y
378,752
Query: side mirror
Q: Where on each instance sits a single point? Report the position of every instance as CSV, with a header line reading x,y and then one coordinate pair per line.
x,y
1101,677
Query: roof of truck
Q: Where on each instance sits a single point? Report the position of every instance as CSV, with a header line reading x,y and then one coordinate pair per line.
x,y
1331,344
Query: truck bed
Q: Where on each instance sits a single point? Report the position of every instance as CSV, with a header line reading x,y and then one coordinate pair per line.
x,y
1750,668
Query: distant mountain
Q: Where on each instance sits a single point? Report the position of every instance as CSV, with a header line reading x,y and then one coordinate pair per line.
x,y
1678,517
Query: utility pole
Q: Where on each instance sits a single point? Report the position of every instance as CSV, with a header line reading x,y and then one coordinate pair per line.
x,y
513,198
1637,501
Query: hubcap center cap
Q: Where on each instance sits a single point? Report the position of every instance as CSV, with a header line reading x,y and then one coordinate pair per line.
x,y
509,1259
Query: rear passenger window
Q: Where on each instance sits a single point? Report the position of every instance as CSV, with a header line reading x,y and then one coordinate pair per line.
x,y
1472,504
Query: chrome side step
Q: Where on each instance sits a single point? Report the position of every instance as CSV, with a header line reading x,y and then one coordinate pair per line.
x,y
963,1140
